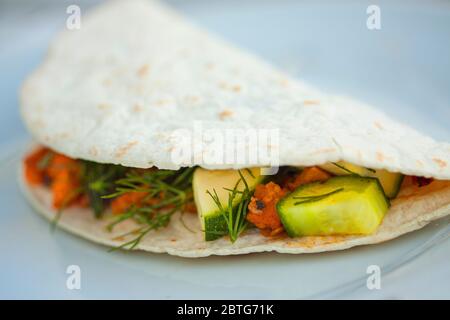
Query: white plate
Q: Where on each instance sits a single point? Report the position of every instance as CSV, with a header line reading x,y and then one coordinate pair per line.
x,y
403,68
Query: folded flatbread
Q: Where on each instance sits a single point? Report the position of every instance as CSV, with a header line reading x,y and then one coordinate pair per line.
x,y
114,91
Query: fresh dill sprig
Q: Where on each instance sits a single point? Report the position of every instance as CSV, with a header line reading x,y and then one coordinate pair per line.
x,y
345,169
351,172
98,180
234,214
171,189
147,222
306,199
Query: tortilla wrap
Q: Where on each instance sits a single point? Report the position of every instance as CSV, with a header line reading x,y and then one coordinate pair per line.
x,y
411,210
116,89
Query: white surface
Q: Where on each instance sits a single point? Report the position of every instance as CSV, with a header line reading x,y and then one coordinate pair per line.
x,y
403,68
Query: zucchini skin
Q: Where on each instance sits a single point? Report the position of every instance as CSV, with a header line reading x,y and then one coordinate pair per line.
x,y
390,181
394,194
214,224
311,219
215,227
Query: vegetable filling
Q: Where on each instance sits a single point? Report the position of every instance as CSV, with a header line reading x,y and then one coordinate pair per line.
x,y
334,198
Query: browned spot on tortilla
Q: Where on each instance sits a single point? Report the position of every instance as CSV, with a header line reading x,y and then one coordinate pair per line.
x,y
440,163
378,125
284,82
210,66
93,151
236,88
123,150
143,70
380,156
173,240
230,87
170,149
137,108
310,102
225,114
315,241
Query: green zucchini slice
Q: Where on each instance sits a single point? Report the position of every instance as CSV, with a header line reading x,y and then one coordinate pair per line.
x,y
212,221
342,205
390,181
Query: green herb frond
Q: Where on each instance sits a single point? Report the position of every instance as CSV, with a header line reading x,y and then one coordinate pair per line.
x,y
313,198
350,171
235,212
173,189
345,169
98,180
